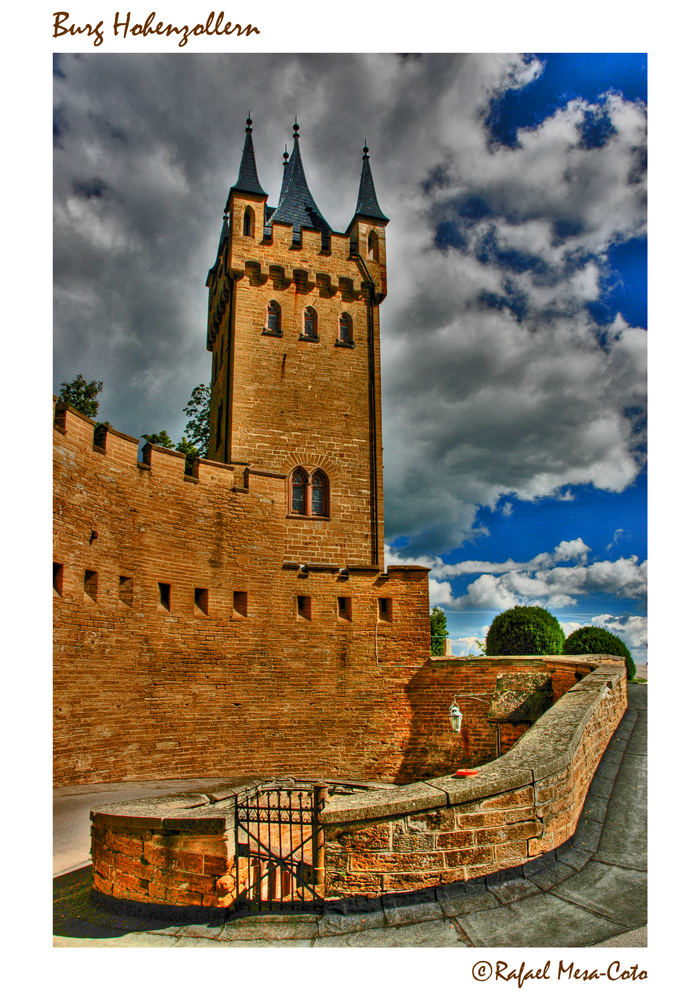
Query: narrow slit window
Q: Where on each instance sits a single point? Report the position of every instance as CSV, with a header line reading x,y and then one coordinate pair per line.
x,y
58,578
274,318
373,246
126,590
164,595
345,608
304,606
310,324
385,609
201,600
248,222
345,329
90,584
240,603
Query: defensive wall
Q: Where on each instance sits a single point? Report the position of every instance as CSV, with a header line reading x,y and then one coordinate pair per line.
x,y
180,849
191,639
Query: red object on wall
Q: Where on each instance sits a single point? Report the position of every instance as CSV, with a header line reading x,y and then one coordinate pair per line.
x,y
465,772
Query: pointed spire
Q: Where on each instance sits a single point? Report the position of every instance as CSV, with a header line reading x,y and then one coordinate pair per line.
x,y
296,205
367,203
248,182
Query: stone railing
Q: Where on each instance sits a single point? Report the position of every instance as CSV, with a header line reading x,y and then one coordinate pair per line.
x,y
180,849
451,829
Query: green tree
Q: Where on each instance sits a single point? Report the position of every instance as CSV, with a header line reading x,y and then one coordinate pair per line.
x,y
591,639
162,439
189,450
438,632
525,630
81,395
197,427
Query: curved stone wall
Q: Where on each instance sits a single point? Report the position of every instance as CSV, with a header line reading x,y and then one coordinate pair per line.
x,y
180,849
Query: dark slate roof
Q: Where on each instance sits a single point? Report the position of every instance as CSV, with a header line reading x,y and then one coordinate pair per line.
x,y
296,205
248,182
367,203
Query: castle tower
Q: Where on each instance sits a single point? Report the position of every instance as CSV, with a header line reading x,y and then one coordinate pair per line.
x,y
293,328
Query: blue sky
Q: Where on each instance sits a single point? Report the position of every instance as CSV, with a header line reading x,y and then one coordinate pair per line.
x,y
514,333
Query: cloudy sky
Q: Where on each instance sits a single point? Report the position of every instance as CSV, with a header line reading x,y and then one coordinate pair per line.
x,y
514,333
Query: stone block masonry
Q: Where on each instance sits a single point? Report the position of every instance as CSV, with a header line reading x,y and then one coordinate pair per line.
x,y
518,807
181,849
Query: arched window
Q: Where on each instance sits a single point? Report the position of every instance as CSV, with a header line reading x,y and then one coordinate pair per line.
x,y
298,491
309,329
309,496
373,246
274,318
345,329
248,222
319,494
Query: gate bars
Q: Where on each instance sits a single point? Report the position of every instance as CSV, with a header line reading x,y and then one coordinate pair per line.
x,y
279,860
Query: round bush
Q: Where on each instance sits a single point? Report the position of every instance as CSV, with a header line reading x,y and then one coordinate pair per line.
x,y
598,640
524,631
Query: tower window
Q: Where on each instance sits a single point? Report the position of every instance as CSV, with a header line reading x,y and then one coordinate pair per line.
x,y
219,415
373,246
58,578
299,484
309,330
273,318
345,329
319,494
248,222
164,595
345,608
201,600
240,603
309,496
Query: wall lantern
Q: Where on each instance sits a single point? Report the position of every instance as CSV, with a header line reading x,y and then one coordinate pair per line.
x,y
455,716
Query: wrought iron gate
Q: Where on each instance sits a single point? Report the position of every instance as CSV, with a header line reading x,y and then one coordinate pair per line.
x,y
279,847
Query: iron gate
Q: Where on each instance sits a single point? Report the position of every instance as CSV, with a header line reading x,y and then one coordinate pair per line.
x,y
279,847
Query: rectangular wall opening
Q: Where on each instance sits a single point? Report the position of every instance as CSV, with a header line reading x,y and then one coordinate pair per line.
x,y
58,578
304,606
90,584
385,609
126,590
201,600
164,595
240,603
345,608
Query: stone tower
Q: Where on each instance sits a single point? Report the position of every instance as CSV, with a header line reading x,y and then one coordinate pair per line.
x,y
293,327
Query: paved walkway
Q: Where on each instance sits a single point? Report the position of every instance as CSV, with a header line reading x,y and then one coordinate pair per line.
x,y
590,892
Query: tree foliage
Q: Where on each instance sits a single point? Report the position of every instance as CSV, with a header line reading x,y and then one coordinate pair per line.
x,y
81,395
591,639
524,631
163,440
197,427
438,632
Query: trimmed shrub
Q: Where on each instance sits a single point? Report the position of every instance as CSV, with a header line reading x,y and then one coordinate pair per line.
x,y
524,631
598,640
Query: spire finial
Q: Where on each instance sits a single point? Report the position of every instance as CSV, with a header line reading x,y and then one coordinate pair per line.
x,y
249,123
365,150
285,155
295,126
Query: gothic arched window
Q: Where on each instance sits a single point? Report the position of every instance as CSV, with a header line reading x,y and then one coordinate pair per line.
x,y
319,494
345,329
309,496
274,318
248,222
298,492
309,330
373,246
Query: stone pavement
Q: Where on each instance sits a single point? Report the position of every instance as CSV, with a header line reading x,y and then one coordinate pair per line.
x,y
590,892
